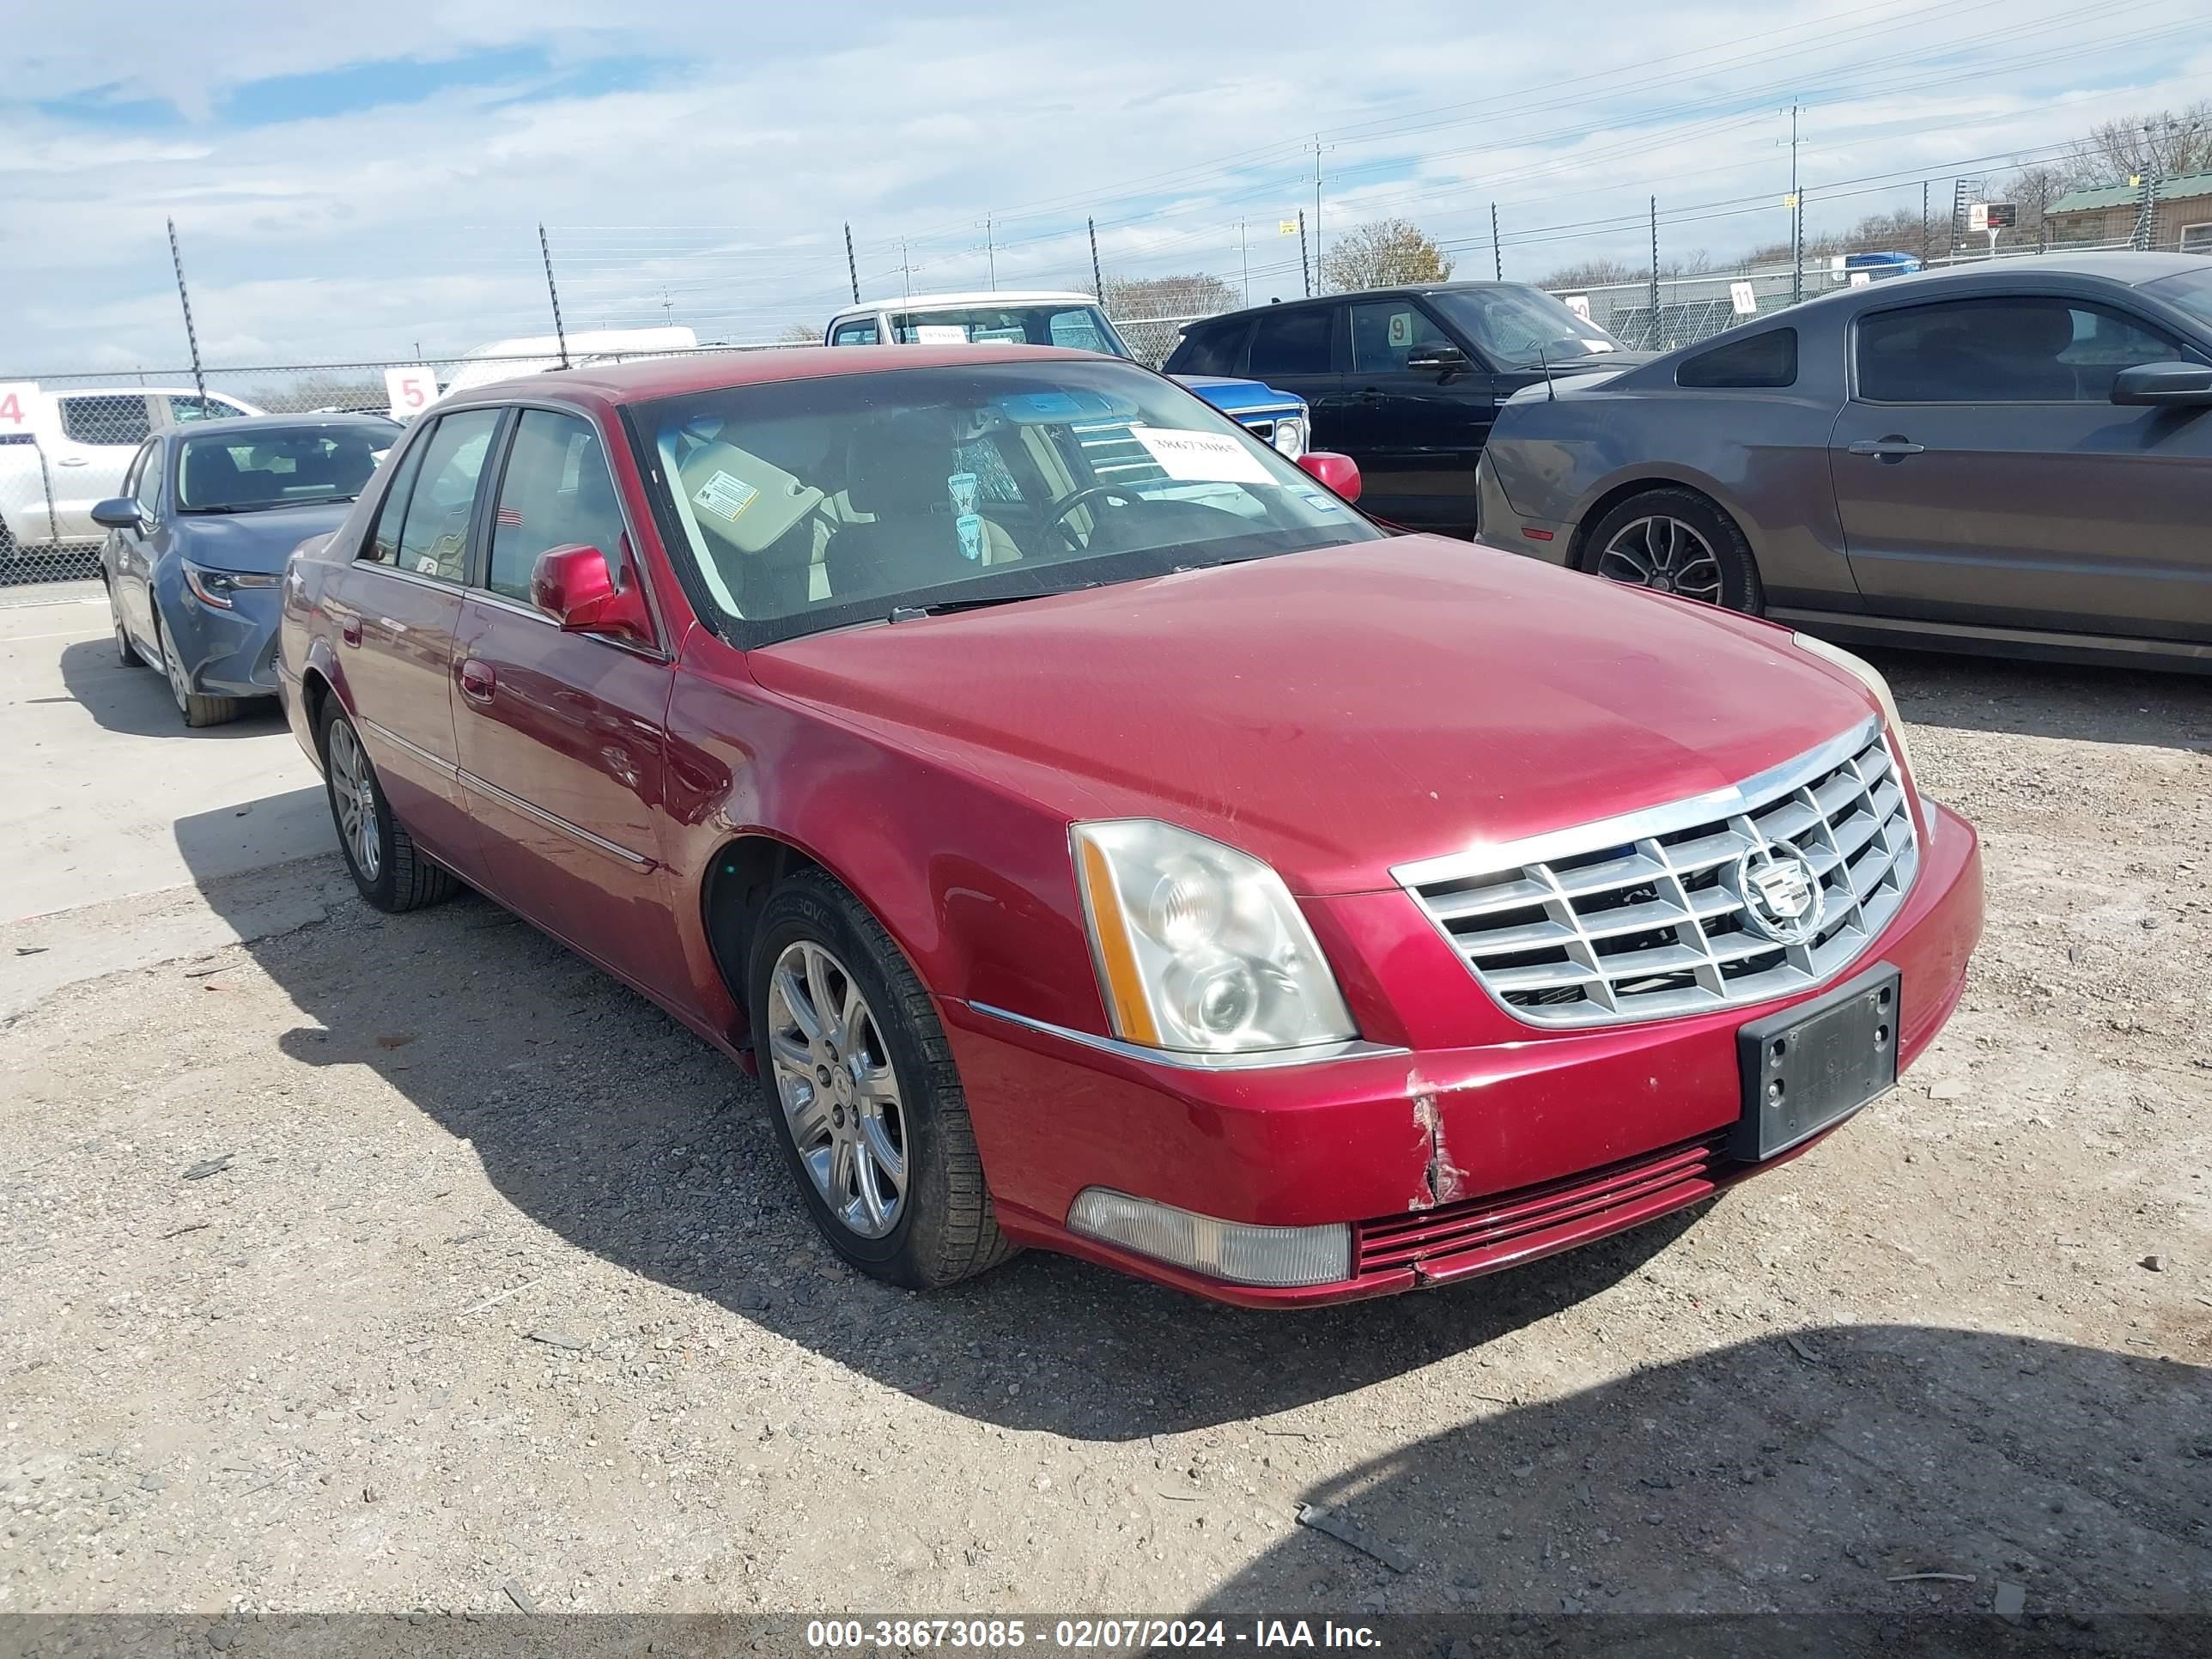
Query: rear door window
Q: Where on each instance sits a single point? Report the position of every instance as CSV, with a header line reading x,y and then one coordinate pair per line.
x,y
1213,350
861,330
191,407
434,498
111,419
1292,342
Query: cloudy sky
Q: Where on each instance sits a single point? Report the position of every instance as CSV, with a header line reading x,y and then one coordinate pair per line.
x,y
350,182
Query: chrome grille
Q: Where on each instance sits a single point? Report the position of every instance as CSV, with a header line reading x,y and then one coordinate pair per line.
x,y
1640,917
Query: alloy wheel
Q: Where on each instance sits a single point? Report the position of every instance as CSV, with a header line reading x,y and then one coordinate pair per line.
x,y
840,1096
1665,555
353,792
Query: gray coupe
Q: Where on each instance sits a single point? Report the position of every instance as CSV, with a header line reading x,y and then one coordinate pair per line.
x,y
2012,457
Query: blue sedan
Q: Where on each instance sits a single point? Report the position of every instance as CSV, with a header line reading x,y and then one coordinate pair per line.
x,y
196,543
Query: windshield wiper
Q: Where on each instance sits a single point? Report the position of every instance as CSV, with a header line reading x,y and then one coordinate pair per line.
x,y
269,507
900,613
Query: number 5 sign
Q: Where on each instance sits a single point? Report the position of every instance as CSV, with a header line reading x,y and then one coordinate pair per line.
x,y
411,390
19,405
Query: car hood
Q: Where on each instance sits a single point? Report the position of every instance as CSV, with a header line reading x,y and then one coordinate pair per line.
x,y
1234,397
254,543
1339,712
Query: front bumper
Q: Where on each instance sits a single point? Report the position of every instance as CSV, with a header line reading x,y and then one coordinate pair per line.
x,y
226,653
1447,1161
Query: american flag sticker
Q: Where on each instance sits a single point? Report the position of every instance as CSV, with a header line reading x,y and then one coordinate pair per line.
x,y
509,518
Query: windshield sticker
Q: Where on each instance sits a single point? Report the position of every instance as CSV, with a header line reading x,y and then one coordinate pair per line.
x,y
725,497
970,526
1202,457
1319,502
941,334
961,486
1598,346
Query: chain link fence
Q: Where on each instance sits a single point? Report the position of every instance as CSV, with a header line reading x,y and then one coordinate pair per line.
x,y
67,441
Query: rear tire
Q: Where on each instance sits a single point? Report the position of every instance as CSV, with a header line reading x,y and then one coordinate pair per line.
x,y
388,869
198,710
901,1120
1677,541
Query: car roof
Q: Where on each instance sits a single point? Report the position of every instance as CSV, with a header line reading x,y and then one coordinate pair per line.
x,y
265,422
1401,291
1002,296
716,371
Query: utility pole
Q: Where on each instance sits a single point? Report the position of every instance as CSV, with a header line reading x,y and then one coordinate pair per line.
x,y
852,269
191,338
905,272
1924,249
1320,242
559,334
991,253
667,307
1496,259
1098,282
1797,218
1303,263
1244,253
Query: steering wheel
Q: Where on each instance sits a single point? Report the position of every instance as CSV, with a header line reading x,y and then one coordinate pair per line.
x,y
1085,497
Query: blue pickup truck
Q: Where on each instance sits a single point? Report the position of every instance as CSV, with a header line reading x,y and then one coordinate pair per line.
x,y
1061,319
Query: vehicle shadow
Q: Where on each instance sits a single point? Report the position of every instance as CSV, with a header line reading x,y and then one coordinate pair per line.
x,y
2050,700
606,1123
136,702
1871,1478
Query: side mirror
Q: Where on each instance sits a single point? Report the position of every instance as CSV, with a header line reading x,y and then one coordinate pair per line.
x,y
575,587
1436,360
2167,384
116,512
1339,473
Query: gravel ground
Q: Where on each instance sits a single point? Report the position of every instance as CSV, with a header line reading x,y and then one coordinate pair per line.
x,y
409,1263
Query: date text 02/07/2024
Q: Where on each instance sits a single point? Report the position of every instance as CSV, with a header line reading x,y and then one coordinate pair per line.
x,y
1076,1635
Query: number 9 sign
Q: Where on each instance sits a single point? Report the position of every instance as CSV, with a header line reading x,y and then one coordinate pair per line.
x,y
19,405
410,390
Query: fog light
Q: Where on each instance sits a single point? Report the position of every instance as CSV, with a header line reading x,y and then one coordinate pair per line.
x,y
1234,1250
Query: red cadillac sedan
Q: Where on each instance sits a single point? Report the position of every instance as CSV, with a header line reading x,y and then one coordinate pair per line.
x,y
1100,836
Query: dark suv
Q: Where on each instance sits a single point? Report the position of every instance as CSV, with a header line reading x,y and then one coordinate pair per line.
x,y
1404,380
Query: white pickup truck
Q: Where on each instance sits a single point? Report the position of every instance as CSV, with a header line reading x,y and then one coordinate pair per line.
x,y
62,451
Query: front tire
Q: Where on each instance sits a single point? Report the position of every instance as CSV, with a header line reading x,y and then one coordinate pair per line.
x,y
869,1109
388,869
1677,541
198,711
126,652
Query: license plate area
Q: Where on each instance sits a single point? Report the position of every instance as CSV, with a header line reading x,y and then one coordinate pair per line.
x,y
1814,1064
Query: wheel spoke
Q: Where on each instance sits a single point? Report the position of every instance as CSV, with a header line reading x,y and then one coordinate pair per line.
x,y
794,995
817,986
841,1169
791,1055
852,1021
878,1087
872,1202
886,1155
809,1119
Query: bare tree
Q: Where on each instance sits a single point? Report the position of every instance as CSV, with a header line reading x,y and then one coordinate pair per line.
x,y
1197,294
1381,253
327,389
1596,273
2167,144
2031,190
799,334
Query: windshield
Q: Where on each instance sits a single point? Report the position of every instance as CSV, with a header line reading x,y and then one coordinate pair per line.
x,y
278,466
815,503
1522,327
1078,327
2191,292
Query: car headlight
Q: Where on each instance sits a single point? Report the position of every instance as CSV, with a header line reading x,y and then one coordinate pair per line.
x,y
1870,677
1290,436
220,588
1200,947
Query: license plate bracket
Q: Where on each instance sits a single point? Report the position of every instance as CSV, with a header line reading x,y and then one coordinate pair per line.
x,y
1810,1067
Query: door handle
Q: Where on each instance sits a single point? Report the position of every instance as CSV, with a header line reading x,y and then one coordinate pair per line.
x,y
72,460
477,681
1370,395
349,630
1892,448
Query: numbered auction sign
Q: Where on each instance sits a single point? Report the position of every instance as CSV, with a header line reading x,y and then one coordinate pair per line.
x,y
411,390
19,406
